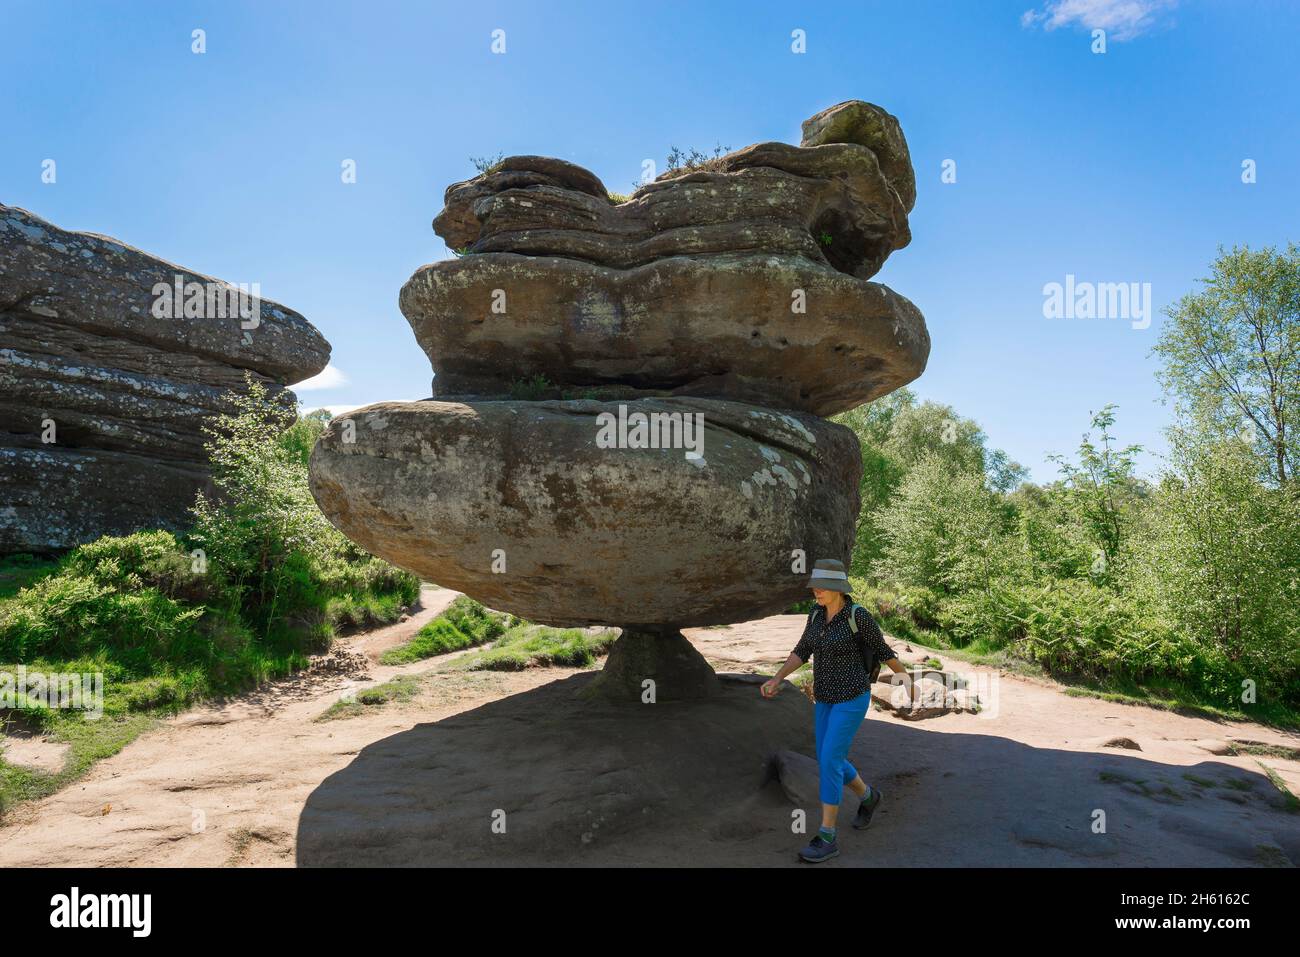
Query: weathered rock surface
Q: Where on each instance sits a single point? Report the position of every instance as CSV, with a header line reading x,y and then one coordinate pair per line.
x,y
743,280
662,656
591,535
127,393
719,325
855,121
800,779
736,290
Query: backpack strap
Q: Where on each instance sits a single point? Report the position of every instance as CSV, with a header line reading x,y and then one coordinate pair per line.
x,y
868,658
853,617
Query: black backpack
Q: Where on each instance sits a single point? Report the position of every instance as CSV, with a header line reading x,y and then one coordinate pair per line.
x,y
868,659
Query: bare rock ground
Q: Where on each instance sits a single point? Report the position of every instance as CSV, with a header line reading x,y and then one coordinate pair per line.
x,y
262,782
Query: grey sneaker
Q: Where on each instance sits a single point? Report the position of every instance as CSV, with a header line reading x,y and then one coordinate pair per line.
x,y
818,850
866,809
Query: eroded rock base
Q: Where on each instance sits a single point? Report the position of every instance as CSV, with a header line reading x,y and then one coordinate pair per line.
x,y
653,663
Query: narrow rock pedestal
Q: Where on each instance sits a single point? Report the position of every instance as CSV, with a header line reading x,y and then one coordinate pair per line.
x,y
661,655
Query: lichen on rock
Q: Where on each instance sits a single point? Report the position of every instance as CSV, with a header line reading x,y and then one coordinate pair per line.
x,y
103,400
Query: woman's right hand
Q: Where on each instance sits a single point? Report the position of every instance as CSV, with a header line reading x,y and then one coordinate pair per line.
x,y
771,687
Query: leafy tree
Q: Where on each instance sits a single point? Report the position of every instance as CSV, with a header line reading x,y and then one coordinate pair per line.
x,y
1222,560
300,437
943,530
1232,352
933,429
873,421
1099,489
1054,543
881,472
263,533
895,433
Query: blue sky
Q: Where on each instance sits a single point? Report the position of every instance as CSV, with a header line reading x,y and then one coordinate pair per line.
x,y
1123,166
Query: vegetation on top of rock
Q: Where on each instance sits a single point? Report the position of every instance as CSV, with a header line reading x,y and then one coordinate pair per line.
x,y
487,164
693,160
772,217
533,388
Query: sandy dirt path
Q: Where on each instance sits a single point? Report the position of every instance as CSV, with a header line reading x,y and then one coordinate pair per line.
x,y
1020,783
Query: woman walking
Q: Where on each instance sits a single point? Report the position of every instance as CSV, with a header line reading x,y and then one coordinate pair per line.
x,y
836,636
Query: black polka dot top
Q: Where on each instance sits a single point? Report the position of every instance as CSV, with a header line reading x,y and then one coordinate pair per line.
x,y
838,670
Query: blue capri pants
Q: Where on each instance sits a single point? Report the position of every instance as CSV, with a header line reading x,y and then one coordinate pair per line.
x,y
835,725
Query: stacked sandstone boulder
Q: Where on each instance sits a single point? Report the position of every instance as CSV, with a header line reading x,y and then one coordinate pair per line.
x,y
104,395
738,293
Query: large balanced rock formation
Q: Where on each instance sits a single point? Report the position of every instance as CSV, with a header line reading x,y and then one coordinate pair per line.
x,y
111,362
692,335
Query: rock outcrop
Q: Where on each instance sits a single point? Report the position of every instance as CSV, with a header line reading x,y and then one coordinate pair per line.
x,y
625,424
747,279
111,362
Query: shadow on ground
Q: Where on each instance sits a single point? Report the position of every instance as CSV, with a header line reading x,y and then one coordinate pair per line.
x,y
545,778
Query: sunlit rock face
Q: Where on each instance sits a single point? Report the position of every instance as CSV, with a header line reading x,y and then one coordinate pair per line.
x,y
111,362
626,425
518,505
746,279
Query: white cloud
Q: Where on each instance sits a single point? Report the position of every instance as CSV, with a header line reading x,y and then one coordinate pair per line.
x,y
330,377
1121,19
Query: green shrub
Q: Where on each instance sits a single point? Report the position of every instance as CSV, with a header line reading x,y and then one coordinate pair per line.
x,y
68,615
262,579
533,389
532,646
268,544
1068,627
464,624
692,160
943,530
908,612
155,559
488,164
300,437
1220,558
